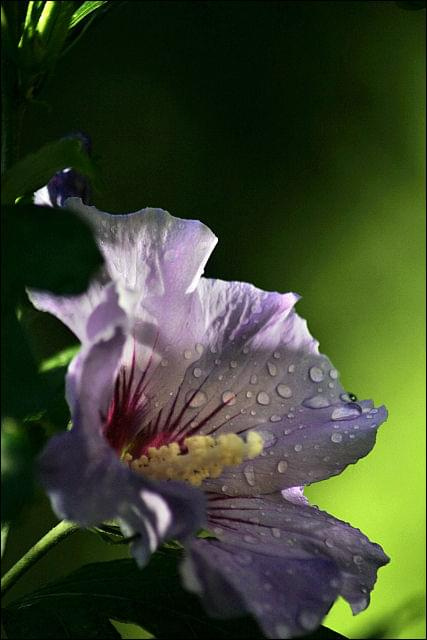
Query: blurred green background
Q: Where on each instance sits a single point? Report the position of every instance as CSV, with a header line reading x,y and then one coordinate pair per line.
x,y
295,130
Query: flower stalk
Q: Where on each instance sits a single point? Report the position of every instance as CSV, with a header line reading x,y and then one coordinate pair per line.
x,y
50,540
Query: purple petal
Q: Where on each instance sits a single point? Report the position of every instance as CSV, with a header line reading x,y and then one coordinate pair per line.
x,y
287,596
283,561
310,447
150,251
84,477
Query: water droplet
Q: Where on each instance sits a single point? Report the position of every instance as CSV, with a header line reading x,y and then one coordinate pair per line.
x,y
316,374
249,394
272,369
298,447
263,398
275,532
346,412
250,539
291,368
348,397
329,543
308,620
331,385
244,558
187,354
224,488
357,559
336,437
197,399
291,415
333,374
217,362
233,364
254,379
316,402
284,391
229,398
249,474
275,418
282,466
197,372
252,412
164,363
268,438
199,348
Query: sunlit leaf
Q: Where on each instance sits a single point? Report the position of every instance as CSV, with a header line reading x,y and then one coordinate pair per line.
x,y
85,10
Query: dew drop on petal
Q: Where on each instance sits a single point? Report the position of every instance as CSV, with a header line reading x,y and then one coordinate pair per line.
x,y
199,348
275,418
316,402
229,398
249,474
272,369
244,558
298,447
254,379
336,437
316,374
329,543
357,559
308,620
187,354
233,364
346,412
333,374
276,355
197,399
275,532
249,394
263,398
282,466
164,363
268,438
250,539
291,368
284,391
197,372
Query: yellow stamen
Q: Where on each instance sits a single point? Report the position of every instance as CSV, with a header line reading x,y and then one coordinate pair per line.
x,y
206,457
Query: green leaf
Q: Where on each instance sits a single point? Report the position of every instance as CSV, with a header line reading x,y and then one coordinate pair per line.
x,y
60,359
36,169
82,605
5,526
84,10
46,248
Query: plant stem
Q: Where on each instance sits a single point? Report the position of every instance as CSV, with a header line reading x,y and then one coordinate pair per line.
x,y
50,540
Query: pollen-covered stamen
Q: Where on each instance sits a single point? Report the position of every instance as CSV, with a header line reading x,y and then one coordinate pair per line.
x,y
203,457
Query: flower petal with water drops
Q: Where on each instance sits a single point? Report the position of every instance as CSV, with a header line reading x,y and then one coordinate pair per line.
x,y
283,561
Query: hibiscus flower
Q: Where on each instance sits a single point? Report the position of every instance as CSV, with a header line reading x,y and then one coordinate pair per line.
x,y
196,403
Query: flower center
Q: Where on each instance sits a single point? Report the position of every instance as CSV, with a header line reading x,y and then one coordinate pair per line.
x,y
203,457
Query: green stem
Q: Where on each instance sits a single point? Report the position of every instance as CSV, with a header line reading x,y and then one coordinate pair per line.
x,y
50,540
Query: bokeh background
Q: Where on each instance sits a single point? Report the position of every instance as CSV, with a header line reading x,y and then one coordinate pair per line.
x,y
295,130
